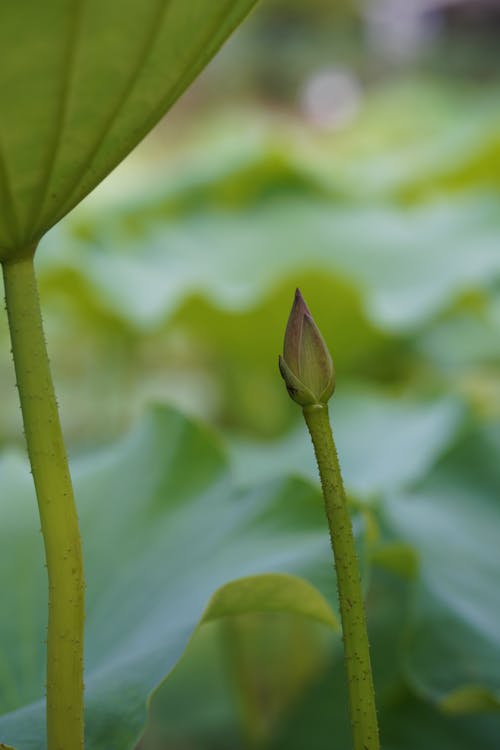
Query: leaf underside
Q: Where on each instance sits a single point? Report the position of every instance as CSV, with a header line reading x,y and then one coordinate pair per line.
x,y
159,539
86,84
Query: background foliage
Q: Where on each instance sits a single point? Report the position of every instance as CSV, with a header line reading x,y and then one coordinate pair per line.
x,y
172,284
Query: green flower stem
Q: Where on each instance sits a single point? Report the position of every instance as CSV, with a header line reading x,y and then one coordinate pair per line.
x,y
59,520
356,649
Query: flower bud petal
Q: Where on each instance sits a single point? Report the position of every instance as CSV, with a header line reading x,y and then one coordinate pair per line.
x,y
296,390
293,333
306,365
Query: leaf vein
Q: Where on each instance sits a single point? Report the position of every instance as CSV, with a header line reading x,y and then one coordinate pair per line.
x,y
127,90
6,188
62,115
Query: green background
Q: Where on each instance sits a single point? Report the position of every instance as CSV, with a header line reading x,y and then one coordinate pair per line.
x,y
165,296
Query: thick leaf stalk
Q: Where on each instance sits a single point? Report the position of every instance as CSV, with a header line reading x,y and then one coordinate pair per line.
x,y
59,521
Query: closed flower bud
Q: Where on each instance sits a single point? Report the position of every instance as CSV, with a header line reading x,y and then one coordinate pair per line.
x,y
306,365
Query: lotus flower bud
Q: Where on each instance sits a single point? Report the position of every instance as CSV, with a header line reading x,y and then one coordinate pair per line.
x,y
306,365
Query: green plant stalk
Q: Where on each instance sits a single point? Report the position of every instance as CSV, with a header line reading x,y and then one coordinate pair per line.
x,y
356,648
59,521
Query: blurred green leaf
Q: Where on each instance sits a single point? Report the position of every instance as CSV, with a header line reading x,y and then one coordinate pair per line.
x,y
452,521
470,699
396,557
466,335
409,264
237,681
269,593
94,87
384,443
163,527
212,290
406,721
318,711
320,717
413,725
255,695
418,140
